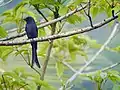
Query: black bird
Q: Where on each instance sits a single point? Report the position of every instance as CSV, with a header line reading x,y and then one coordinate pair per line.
x,y
32,32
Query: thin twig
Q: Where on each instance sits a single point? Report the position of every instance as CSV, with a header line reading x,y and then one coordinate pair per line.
x,y
108,3
89,5
70,67
58,36
94,57
49,8
36,7
110,67
28,62
4,82
103,70
22,86
22,56
88,14
61,25
111,6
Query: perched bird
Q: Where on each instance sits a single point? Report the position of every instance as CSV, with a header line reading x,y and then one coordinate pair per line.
x,y
32,32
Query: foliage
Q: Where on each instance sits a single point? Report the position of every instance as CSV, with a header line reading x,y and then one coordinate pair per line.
x,y
100,78
20,79
63,50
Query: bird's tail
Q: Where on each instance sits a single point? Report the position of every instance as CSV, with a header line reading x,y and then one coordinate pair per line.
x,y
34,54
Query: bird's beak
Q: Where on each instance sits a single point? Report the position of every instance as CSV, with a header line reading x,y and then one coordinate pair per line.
x,y
24,19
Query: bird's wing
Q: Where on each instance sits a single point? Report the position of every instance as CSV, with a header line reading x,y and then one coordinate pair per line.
x,y
31,30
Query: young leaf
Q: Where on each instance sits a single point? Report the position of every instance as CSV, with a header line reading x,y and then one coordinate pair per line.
x,y
59,68
77,2
43,83
73,19
63,10
94,11
3,32
41,32
5,51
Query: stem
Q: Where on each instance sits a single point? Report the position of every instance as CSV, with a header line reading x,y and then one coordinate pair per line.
x,y
99,86
28,62
22,86
53,26
4,82
45,64
37,9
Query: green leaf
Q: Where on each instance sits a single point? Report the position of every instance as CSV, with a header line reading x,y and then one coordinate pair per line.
x,y
108,11
7,13
63,10
5,51
117,49
35,2
79,40
43,47
59,68
3,32
43,83
94,10
82,53
9,19
20,5
21,51
73,55
77,2
94,44
72,46
114,76
32,14
73,19
41,32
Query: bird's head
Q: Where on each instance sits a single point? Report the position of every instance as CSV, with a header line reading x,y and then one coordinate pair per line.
x,y
29,19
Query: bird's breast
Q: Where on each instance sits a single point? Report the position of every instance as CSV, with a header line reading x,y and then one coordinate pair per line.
x,y
31,30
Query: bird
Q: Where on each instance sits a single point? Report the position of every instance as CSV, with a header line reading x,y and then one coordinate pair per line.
x,y
32,32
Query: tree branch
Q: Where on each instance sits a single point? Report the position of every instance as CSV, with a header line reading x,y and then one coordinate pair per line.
x,y
88,14
58,36
110,67
101,49
53,26
45,24
37,9
3,4
94,57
